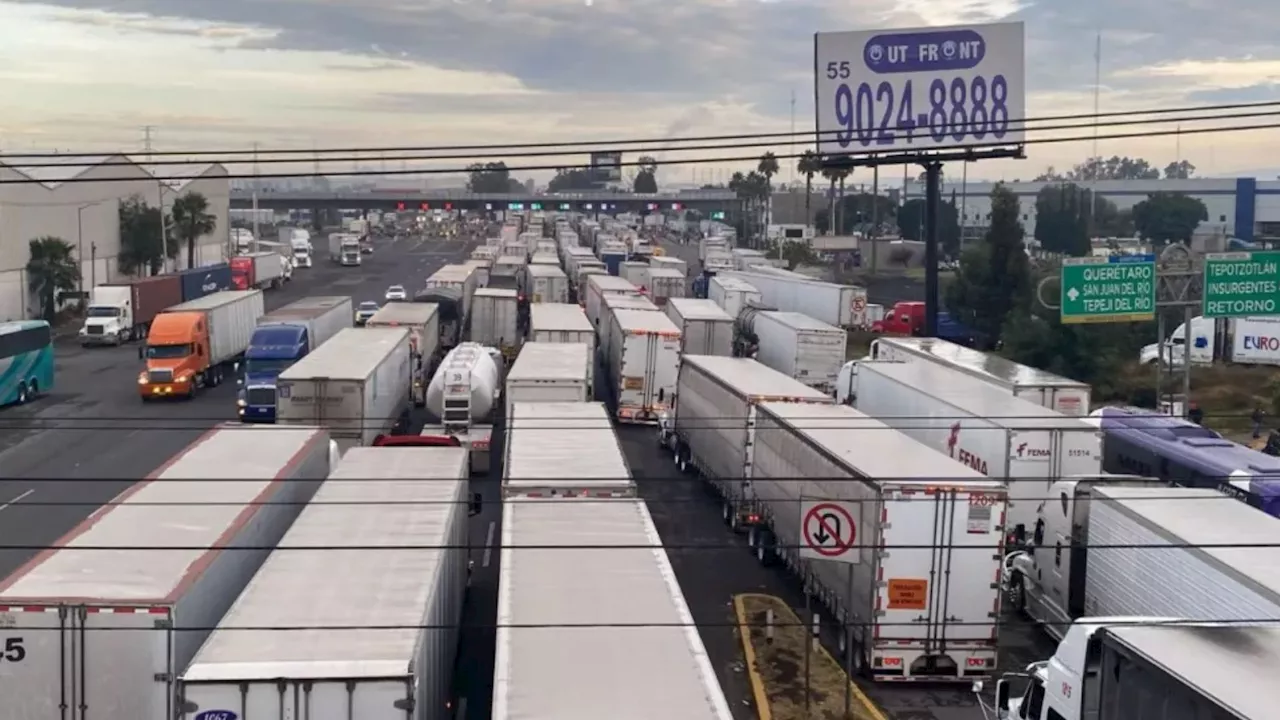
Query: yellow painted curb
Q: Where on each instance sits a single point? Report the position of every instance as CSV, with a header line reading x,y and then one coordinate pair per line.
x,y
763,711
757,683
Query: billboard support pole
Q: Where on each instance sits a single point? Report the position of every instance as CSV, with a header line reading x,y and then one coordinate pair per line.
x,y
932,200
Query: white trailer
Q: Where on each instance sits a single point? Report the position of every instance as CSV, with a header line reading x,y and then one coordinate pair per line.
x,y
495,318
563,449
373,522
546,283
550,372
925,611
705,329
231,316
732,294
358,384
667,261
643,361
831,303
561,323
1069,397
460,280
268,270
984,427
634,272
714,426
801,347
613,303
666,283
597,286
422,320
544,670
106,632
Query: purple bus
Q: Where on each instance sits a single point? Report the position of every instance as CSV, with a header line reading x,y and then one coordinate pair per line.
x,y
1144,442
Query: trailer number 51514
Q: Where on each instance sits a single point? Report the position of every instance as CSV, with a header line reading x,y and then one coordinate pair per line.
x,y
14,650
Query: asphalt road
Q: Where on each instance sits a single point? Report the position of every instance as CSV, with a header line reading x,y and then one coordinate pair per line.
x,y
69,452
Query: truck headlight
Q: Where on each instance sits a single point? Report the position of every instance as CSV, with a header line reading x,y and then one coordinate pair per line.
x,y
142,379
240,402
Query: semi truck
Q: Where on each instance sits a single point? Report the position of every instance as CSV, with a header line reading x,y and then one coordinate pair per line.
x,y
597,286
302,249
732,294
344,249
1111,548
282,338
561,323
984,427
463,395
536,588
705,329
112,629
197,344
550,372
1069,397
796,345
833,304
375,513
665,284
924,611
495,320
563,449
120,313
459,281
643,361
546,283
610,304
260,271
422,320
357,384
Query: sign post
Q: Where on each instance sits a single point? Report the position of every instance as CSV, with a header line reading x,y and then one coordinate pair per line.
x,y
1241,284
829,531
1120,288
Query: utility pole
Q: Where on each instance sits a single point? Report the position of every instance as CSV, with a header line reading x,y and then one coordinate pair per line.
x,y
146,141
793,137
255,196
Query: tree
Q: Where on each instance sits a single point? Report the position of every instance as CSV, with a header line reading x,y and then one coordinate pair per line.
x,y
51,269
1114,168
1166,217
752,189
142,241
809,164
911,224
491,177
572,180
1062,219
191,220
1179,170
647,178
995,274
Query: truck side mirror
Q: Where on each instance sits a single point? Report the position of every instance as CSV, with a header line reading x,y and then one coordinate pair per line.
x,y
476,504
1002,694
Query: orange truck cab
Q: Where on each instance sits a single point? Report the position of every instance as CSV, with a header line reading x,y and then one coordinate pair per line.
x,y
197,344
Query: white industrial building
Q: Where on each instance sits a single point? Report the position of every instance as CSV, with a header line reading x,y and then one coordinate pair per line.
x,y
78,201
1244,208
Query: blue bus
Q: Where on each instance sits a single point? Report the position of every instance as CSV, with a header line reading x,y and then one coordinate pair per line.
x,y
26,360
1144,442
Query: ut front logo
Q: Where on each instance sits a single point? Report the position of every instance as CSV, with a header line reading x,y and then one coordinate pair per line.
x,y
1023,451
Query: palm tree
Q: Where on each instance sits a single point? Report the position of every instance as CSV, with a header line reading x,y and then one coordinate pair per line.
x,y
191,220
810,164
768,167
831,174
51,268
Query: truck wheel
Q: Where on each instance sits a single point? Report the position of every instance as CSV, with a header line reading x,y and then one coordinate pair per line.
x,y
22,394
1017,593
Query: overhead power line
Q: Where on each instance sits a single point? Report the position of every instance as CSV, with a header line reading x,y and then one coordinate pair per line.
x,y
80,547
605,145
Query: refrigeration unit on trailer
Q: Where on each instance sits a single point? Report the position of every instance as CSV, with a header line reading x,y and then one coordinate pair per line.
x,y
1069,397
643,360
925,611
380,552
563,449
95,632
561,323
984,427
358,384
637,654
801,347
597,286
705,329
713,427
550,372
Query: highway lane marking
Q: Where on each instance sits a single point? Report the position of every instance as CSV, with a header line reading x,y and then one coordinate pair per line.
x,y
28,493
488,545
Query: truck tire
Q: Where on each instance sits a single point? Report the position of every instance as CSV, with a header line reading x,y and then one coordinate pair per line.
x,y
22,394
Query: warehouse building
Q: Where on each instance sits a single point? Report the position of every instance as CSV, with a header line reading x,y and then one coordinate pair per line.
x,y
1244,208
78,201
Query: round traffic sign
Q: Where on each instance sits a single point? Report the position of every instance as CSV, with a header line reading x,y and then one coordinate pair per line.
x,y
829,529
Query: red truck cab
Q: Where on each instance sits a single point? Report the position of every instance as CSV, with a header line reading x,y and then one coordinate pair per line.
x,y
242,273
906,318
177,352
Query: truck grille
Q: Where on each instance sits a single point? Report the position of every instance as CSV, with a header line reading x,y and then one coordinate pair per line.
x,y
160,376
94,330
259,397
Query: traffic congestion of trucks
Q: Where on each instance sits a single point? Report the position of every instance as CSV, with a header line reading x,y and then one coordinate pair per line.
x,y
951,487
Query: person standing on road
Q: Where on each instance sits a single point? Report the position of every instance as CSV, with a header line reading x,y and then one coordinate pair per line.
x,y
1195,414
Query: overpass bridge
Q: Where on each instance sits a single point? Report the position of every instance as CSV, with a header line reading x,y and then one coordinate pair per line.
x,y
708,201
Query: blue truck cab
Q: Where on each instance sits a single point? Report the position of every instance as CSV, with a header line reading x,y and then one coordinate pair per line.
x,y
272,349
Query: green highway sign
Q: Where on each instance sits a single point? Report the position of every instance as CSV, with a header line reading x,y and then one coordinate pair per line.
x,y
1120,288
1242,283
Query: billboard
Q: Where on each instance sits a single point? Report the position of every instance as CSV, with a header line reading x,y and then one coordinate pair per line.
x,y
607,166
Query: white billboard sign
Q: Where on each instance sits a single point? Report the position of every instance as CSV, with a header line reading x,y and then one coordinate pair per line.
x,y
1255,341
919,89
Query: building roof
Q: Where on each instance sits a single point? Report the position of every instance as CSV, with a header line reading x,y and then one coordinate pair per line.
x,y
53,172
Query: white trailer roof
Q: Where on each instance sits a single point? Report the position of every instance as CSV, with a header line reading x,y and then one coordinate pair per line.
x,y
663,272
579,251
497,293
401,313
452,274
699,309
729,282
550,361
644,321
564,443
798,321
749,377
1200,519
352,354
871,449
195,514
558,316
612,283
628,302
974,398
550,271
214,300
1228,663
306,307
390,498
545,670
989,365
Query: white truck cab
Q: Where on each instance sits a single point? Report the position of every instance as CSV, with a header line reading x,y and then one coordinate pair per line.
x,y
109,318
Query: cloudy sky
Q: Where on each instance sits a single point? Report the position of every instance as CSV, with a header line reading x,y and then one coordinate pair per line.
x,y
226,74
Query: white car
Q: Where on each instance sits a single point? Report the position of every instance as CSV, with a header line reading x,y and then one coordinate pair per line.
x,y
397,293
365,311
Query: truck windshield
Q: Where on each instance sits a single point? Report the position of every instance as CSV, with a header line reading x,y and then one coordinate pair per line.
x,y
165,352
256,366
104,311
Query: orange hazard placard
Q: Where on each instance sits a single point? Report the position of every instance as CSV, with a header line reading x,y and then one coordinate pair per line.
x,y
907,594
